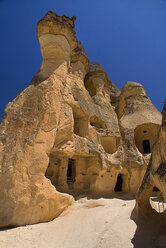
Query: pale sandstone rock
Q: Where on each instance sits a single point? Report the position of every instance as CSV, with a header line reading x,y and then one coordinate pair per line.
x,y
79,136
64,26
79,61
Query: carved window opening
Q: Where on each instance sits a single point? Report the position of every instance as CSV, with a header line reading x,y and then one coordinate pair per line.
x,y
146,146
110,143
155,189
71,171
80,124
119,183
96,122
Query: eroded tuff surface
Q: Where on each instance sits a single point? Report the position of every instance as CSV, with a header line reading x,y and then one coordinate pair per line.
x,y
72,130
155,175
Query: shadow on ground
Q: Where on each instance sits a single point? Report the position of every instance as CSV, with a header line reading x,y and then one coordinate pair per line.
x,y
150,232
120,196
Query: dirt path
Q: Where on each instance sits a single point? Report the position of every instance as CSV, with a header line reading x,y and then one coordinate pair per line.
x,y
102,223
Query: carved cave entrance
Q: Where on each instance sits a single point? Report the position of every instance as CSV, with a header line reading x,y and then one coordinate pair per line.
x,y
146,146
71,171
145,136
119,183
61,171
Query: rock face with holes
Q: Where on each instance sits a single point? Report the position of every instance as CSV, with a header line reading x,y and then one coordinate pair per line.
x,y
155,176
72,131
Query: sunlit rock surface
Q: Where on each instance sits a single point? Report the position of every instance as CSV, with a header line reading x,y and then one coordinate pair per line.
x,y
72,131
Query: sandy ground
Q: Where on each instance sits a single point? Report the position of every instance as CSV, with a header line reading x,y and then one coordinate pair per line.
x,y
101,223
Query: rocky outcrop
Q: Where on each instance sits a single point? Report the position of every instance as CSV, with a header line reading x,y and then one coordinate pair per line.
x,y
155,175
71,130
28,130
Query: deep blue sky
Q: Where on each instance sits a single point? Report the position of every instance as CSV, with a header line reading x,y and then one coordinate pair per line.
x,y
127,37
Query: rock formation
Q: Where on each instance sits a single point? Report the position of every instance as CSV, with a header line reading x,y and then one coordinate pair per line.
x,y
71,130
155,176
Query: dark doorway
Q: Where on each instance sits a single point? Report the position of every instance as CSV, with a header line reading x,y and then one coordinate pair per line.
x,y
119,183
146,146
71,171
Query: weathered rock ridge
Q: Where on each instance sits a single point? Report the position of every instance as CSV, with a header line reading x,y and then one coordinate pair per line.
x,y
71,130
155,175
